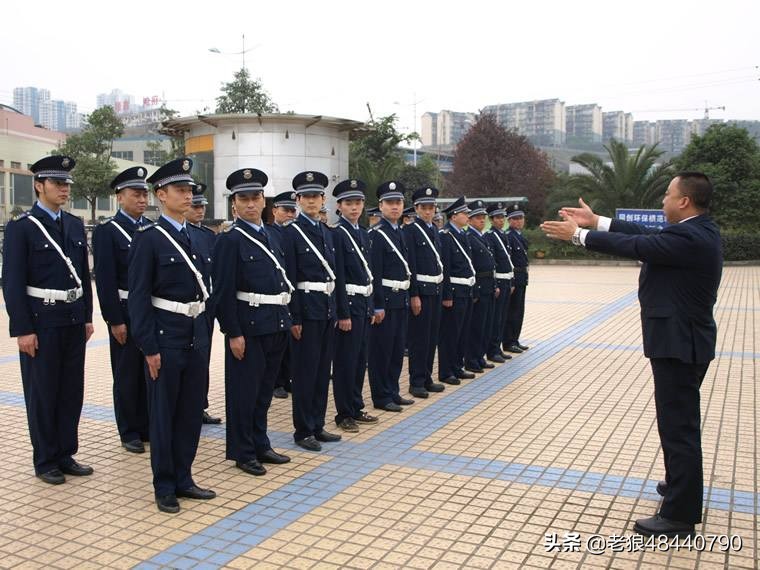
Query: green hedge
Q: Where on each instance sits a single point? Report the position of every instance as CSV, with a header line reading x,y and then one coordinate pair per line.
x,y
736,247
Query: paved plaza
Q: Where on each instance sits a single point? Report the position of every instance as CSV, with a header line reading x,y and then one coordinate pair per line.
x,y
518,468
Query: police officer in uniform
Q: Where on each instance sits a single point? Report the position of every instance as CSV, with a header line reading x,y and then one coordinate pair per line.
x,y
504,279
423,245
353,295
252,294
169,275
373,218
458,281
283,213
516,309
484,292
48,296
310,258
111,244
391,273
206,238
409,215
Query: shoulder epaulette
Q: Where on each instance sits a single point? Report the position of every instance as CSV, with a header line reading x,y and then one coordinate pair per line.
x,y
106,220
443,231
207,229
22,215
147,227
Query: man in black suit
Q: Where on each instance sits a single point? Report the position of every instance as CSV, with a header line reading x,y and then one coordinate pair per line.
x,y
678,285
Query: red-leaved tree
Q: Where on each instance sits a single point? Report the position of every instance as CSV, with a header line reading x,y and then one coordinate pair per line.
x,y
493,161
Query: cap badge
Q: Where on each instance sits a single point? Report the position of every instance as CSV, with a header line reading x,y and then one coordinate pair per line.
x,y
309,177
353,184
65,162
247,174
292,195
498,205
392,186
428,192
140,172
185,165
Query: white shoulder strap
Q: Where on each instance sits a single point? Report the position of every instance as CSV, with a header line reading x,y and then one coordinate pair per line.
x,y
57,247
430,243
359,252
504,247
321,258
198,276
396,251
271,256
122,230
467,257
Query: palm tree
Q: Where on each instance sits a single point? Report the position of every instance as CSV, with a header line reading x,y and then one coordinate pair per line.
x,y
626,180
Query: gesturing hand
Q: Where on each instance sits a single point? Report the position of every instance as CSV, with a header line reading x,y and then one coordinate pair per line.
x,y
560,230
583,216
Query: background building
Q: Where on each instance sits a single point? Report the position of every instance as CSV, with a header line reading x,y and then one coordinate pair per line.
x,y
429,129
673,135
617,125
52,114
644,133
282,145
583,124
543,122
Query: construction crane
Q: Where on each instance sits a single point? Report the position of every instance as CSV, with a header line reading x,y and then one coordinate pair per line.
x,y
706,110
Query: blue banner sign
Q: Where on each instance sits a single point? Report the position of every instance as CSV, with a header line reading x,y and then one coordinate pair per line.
x,y
647,218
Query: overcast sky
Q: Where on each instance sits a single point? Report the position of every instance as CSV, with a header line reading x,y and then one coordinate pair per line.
x,y
657,59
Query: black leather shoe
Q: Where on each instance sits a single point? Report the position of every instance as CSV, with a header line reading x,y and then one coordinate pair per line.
x,y
134,446
452,380
506,356
462,375
364,418
419,392
326,436
659,526
390,407
53,477
167,504
252,467
404,401
487,366
196,492
309,443
207,419
349,425
513,348
522,347
271,456
280,392
662,488
76,469
498,358
435,387
475,369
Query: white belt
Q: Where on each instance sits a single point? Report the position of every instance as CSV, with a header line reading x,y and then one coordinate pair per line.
x,y
430,278
396,285
192,309
123,295
308,286
469,281
256,299
365,290
50,296
509,275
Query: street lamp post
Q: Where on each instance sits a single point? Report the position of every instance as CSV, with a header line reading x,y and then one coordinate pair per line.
x,y
413,104
241,52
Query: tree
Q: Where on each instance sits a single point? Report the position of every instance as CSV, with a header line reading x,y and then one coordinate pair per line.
x,y
375,156
91,149
426,173
731,158
493,161
626,180
176,141
244,95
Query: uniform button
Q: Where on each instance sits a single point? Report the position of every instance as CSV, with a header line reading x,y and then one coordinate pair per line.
x,y
209,260
197,297
160,332
251,257
171,259
251,322
46,245
194,256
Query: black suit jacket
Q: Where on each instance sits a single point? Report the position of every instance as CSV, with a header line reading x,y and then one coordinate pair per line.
x,y
678,283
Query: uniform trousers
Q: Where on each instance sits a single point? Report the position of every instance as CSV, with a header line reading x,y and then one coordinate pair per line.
x,y
53,392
